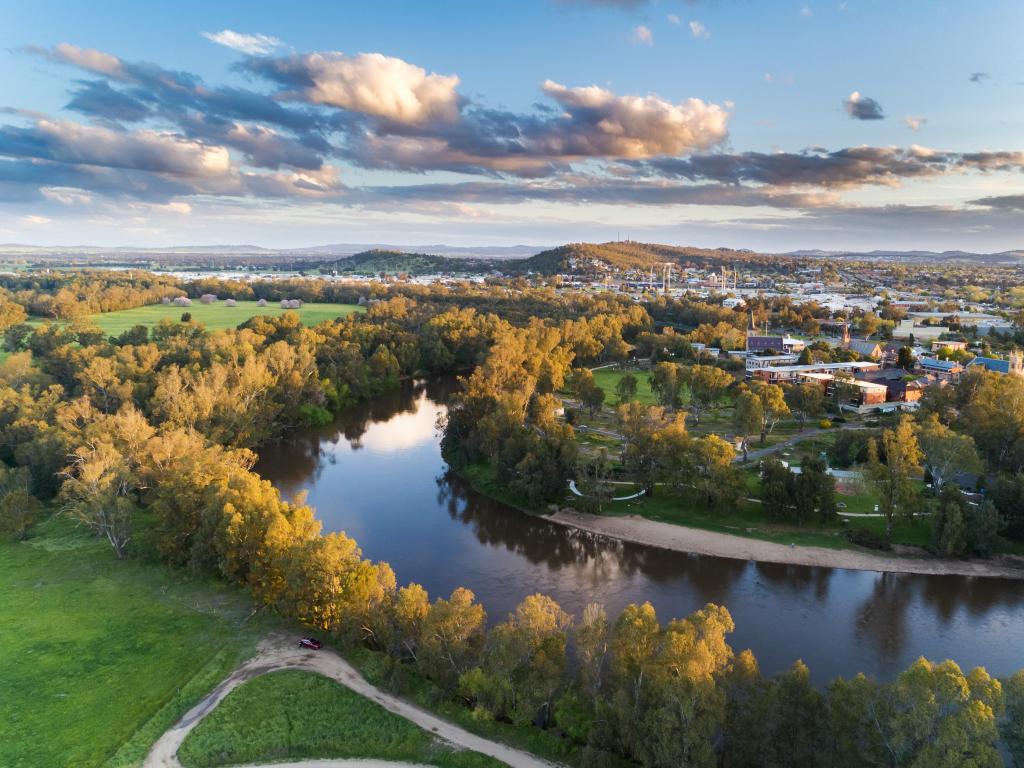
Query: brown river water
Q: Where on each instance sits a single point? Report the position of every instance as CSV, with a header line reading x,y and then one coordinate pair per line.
x,y
379,476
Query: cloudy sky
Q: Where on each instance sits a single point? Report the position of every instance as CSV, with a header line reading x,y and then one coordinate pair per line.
x,y
766,125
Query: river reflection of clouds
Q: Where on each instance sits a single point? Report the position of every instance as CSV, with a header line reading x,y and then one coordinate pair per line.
x,y
378,475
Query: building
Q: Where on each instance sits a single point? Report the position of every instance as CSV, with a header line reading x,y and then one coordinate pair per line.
x,y
944,370
785,344
863,393
754,362
787,374
908,328
900,388
948,344
1013,365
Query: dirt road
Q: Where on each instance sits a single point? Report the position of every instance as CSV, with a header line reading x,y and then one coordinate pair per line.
x,y
280,652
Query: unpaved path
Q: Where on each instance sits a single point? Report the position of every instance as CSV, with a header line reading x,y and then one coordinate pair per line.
x,y
280,652
679,538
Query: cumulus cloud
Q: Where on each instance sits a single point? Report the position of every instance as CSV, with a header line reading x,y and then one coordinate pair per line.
x,y
600,123
642,35
245,43
914,123
860,107
77,144
673,19
370,83
698,30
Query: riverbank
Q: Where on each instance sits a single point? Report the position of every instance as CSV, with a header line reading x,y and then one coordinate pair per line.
x,y
639,530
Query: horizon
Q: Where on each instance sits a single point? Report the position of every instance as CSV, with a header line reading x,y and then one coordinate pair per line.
x,y
686,123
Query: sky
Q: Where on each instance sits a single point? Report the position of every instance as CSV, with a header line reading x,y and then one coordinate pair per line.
x,y
865,124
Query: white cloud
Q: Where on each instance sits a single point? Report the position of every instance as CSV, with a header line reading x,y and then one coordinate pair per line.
x,y
65,195
602,123
914,123
33,219
673,20
239,41
698,30
805,10
375,84
769,77
88,59
642,35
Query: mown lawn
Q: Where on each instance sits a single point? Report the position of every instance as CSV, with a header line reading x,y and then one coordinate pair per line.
x,y
609,378
99,657
295,715
214,316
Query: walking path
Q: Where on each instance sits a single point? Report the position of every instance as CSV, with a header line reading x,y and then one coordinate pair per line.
x,y
279,652
679,538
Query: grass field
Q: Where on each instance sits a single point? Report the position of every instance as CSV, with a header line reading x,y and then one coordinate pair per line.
x,y
214,316
99,657
294,715
609,378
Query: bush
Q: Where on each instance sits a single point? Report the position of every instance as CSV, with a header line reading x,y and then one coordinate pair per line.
x,y
825,424
314,416
863,537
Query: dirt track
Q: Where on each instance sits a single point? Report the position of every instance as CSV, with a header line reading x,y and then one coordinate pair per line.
x,y
280,652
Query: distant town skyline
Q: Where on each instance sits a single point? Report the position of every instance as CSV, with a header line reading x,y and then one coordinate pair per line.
x,y
835,125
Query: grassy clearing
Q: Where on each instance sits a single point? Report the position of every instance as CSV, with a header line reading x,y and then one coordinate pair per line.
x,y
99,657
609,378
294,715
214,316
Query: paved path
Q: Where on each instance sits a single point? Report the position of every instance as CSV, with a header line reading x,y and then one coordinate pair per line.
x,y
281,652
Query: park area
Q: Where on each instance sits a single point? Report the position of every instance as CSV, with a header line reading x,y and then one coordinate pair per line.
x,y
216,316
791,440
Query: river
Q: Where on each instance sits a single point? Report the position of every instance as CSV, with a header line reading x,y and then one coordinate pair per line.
x,y
379,476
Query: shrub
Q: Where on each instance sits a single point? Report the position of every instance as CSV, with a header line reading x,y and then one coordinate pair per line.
x,y
863,537
314,416
825,424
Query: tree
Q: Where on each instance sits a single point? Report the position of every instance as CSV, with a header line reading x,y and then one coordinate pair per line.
x,y
747,415
776,488
946,453
666,382
868,323
897,479
707,385
594,480
805,401
451,637
19,509
524,663
711,470
814,491
949,528
626,387
773,407
905,359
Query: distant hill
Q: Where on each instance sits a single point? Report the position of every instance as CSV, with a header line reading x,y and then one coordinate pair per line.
x,y
395,262
593,258
929,256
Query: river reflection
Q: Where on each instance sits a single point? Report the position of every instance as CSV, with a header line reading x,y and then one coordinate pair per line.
x,y
378,475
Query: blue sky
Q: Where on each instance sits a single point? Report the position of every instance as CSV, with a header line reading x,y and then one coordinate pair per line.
x,y
747,124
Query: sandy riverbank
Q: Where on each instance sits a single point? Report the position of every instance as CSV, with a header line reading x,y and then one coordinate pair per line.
x,y
679,538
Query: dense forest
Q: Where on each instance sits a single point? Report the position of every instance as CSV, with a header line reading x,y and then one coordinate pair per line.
x,y
147,438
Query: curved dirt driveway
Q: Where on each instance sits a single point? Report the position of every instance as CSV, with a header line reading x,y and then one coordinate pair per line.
x,y
279,652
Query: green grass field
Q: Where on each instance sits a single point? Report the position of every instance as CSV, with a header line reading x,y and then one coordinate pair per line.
x,y
294,715
99,657
214,316
608,378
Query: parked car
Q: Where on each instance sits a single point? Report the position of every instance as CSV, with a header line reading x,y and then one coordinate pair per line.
x,y
310,642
